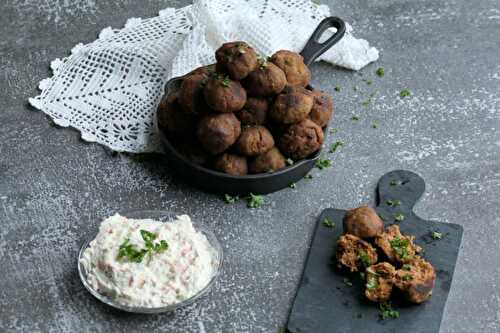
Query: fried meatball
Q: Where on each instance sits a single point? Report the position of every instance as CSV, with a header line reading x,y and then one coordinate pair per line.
x,y
192,151
301,139
266,80
191,93
363,222
217,132
237,59
271,160
297,73
232,164
322,108
379,280
416,280
354,253
292,105
254,140
254,112
224,95
397,248
173,120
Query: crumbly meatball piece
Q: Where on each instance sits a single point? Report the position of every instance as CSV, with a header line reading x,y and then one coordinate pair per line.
x,y
173,120
232,164
363,222
224,95
254,112
354,253
301,140
379,280
191,93
322,108
292,105
297,73
398,248
217,132
271,160
266,80
416,279
237,59
254,140
192,151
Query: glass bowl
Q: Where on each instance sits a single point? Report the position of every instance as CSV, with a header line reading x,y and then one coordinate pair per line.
x,y
166,217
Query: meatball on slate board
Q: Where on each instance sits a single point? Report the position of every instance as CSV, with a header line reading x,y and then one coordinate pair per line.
x,y
325,303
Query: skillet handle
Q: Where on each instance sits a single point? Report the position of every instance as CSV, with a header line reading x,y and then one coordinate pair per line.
x,y
313,48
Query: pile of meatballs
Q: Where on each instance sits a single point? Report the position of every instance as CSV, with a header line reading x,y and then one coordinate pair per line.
x,y
246,114
389,260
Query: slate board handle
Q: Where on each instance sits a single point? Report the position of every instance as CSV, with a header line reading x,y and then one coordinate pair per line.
x,y
402,185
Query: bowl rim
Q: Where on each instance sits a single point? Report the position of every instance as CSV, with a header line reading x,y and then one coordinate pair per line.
x,y
153,214
168,89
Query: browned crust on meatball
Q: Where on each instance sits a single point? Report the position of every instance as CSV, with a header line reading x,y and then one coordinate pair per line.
x,y
354,253
301,140
254,112
224,95
292,105
172,120
268,79
416,280
379,280
232,164
292,64
237,59
322,108
191,93
254,140
271,160
363,222
402,249
203,70
217,132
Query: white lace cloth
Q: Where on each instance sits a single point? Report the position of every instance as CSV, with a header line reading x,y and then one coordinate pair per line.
x,y
109,89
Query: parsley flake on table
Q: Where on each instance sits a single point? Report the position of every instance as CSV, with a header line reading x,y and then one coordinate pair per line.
x,y
386,311
328,223
374,125
323,163
231,199
404,93
333,130
436,235
354,118
335,146
254,201
347,282
292,185
380,72
394,183
393,202
308,176
289,161
399,217
337,88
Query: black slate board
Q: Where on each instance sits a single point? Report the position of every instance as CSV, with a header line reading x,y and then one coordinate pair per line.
x,y
325,303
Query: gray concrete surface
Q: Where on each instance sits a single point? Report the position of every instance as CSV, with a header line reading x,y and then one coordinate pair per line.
x,y
54,188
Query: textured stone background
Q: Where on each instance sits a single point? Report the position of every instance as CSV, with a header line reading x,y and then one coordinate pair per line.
x,y
54,188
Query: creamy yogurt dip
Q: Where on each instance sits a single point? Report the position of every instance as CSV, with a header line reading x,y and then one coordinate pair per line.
x,y
147,263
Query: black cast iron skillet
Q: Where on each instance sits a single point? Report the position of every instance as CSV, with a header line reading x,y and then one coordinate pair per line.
x,y
215,181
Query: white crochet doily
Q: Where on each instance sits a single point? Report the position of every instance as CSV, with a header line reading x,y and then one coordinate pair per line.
x,y
109,89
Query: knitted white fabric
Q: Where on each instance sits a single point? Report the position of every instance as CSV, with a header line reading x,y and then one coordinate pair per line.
x,y
109,89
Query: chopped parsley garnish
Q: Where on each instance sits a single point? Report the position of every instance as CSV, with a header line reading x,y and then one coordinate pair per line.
x,y
380,72
328,223
130,252
393,202
386,311
337,88
400,246
289,161
365,259
436,235
406,267
224,80
333,130
399,217
347,282
242,48
308,176
335,146
292,185
355,88
254,201
354,118
323,163
407,277
404,93
371,283
231,199
394,183
369,81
